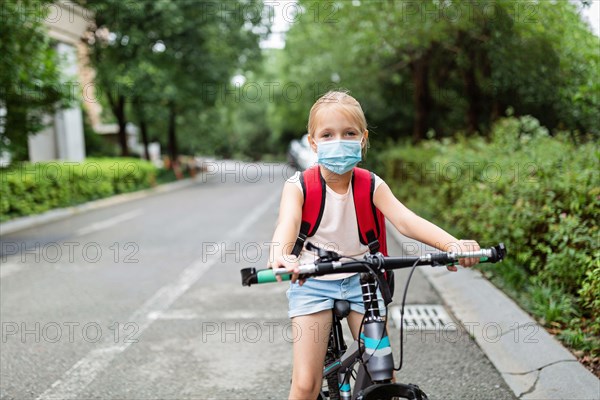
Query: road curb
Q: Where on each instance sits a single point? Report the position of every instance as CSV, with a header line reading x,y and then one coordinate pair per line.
x,y
31,221
531,361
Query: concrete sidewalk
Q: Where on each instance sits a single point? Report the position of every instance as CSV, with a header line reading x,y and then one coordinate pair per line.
x,y
531,361
31,221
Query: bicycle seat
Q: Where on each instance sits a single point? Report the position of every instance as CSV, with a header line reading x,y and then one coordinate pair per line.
x,y
341,308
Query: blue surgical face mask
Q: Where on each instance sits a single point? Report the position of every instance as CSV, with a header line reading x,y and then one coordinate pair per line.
x,y
339,156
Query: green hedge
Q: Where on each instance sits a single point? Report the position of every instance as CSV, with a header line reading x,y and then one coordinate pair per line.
x,y
538,193
31,188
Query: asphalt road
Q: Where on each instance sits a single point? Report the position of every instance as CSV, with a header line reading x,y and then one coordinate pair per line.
x,y
143,300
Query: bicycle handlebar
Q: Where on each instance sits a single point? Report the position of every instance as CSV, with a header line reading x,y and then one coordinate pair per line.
x,y
376,261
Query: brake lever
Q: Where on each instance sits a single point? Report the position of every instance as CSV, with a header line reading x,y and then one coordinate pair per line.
x,y
324,255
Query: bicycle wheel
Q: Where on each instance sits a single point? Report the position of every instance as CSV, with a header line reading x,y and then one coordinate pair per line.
x,y
332,380
392,391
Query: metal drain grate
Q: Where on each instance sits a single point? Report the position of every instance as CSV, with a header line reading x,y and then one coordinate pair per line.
x,y
423,317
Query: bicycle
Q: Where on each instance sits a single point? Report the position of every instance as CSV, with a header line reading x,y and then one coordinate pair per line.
x,y
372,351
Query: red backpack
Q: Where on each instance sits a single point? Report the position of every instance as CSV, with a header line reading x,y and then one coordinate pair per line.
x,y
371,222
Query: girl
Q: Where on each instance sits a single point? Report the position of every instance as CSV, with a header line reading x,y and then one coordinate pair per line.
x,y
337,132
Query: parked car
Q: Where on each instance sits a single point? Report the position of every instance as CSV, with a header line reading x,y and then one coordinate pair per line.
x,y
300,155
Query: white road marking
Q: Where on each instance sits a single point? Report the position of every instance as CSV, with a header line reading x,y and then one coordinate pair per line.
x,y
96,226
80,375
174,314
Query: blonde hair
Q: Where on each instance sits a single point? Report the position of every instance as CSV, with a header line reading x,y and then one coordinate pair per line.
x,y
341,100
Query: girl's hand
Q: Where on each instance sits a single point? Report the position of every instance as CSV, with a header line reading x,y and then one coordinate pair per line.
x,y
464,246
289,262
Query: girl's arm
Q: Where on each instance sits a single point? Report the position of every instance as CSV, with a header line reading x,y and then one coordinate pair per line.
x,y
286,232
415,227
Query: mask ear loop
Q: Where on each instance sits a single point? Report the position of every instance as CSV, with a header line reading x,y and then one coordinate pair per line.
x,y
364,147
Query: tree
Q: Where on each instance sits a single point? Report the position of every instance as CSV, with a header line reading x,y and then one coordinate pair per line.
x,y
215,45
120,44
446,66
169,55
30,81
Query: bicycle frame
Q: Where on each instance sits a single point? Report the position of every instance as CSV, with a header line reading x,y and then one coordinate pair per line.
x,y
376,363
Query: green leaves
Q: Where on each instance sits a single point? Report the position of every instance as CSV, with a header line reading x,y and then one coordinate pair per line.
x,y
477,59
168,58
30,80
537,193
33,188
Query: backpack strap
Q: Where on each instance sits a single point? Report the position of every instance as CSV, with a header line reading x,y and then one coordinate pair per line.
x,y
382,233
313,190
371,224
367,215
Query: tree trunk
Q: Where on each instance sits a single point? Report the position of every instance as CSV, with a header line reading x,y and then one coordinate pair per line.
x,y
16,130
495,114
472,93
122,127
118,108
144,132
173,138
421,95
468,48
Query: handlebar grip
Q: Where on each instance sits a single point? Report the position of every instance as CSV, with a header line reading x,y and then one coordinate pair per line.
x,y
251,276
267,275
492,255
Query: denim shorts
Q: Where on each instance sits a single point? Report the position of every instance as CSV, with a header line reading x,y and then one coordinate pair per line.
x,y
318,295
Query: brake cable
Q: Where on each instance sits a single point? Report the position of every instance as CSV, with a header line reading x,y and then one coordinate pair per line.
x,y
402,315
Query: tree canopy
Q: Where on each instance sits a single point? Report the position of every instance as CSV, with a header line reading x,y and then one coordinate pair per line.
x,y
167,60
438,67
192,75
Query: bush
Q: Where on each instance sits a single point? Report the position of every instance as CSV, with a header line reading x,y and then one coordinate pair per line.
x,y
29,188
537,193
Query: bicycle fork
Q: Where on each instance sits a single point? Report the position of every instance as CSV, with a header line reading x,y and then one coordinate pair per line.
x,y
377,356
